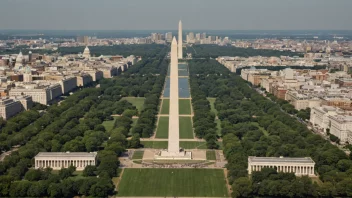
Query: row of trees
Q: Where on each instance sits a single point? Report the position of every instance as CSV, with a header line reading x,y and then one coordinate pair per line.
x,y
203,119
214,51
278,68
146,123
255,126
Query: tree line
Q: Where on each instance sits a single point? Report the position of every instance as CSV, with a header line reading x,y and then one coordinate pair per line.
x,y
214,51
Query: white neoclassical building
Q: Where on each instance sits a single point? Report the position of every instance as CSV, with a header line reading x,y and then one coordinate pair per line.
x,y
299,166
58,160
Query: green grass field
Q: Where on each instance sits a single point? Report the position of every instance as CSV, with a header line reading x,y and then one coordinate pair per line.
x,y
138,155
186,130
165,107
212,101
133,123
137,102
109,124
211,155
173,182
266,133
184,107
218,126
183,144
155,144
162,130
193,145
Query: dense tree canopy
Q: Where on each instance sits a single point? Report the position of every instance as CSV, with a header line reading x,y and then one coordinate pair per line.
x,y
214,51
252,125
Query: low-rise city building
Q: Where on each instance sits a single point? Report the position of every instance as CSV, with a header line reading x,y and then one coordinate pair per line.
x,y
298,165
59,160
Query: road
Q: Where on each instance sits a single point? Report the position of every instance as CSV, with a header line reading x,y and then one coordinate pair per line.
x,y
3,155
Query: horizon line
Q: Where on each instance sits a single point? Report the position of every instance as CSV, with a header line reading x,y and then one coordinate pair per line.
x,y
175,29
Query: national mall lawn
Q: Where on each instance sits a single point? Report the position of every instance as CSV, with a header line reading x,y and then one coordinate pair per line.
x,y
173,182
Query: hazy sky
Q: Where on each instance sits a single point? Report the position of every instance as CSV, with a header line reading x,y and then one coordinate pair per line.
x,y
164,14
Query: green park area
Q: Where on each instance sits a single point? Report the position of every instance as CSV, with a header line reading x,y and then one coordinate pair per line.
x,y
218,122
109,124
211,155
138,102
183,144
186,130
184,106
138,155
173,182
212,101
163,127
154,144
165,107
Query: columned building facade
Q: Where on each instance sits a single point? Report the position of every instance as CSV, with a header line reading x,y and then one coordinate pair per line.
x,y
59,160
299,166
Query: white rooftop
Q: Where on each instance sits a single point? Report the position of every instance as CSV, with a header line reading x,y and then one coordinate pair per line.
x,y
67,154
281,159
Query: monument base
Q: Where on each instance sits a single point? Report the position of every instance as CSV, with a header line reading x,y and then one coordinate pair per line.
x,y
166,155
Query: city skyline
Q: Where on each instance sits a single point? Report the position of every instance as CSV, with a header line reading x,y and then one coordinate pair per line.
x,y
157,15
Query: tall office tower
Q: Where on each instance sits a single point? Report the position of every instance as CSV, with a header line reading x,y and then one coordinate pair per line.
x,y
198,36
191,36
204,35
154,37
168,37
86,40
180,52
80,39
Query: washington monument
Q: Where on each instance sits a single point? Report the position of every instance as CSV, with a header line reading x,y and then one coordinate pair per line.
x,y
174,114
180,52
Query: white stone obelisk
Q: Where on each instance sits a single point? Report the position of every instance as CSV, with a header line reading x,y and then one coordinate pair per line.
x,y
180,52
173,113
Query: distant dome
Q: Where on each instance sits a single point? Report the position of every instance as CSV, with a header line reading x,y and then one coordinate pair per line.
x,y
86,52
19,60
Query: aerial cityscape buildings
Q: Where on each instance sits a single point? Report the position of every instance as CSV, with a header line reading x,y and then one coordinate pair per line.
x,y
155,114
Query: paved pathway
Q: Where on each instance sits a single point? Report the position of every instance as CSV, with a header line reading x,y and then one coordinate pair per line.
x,y
7,153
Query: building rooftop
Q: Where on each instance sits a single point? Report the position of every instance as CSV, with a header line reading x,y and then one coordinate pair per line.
x,y
67,154
281,159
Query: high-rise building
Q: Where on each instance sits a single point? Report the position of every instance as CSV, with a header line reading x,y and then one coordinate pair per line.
x,y
86,40
198,36
168,36
83,39
191,36
80,39
156,37
180,41
203,35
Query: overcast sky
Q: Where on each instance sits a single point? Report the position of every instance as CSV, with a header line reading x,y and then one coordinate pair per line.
x,y
164,14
